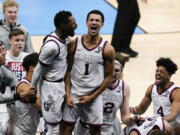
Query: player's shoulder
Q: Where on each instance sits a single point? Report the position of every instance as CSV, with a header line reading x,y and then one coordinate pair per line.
x,y
72,44
109,50
109,47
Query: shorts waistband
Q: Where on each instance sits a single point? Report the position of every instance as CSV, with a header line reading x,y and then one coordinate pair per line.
x,y
59,80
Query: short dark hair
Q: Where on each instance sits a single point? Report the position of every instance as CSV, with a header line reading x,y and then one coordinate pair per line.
x,y
61,17
30,60
95,12
16,32
170,66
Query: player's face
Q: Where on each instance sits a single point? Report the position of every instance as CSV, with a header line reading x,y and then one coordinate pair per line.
x,y
17,43
2,54
10,15
161,76
94,24
116,72
70,27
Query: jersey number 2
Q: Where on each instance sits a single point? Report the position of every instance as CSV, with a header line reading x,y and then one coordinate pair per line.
x,y
108,107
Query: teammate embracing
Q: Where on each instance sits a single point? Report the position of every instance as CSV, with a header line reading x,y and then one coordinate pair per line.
x,y
51,68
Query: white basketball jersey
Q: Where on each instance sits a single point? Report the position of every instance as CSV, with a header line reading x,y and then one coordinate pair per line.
x,y
162,101
144,127
112,100
56,65
27,117
15,64
88,68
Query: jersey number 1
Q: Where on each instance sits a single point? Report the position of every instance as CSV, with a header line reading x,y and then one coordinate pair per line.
x,y
86,69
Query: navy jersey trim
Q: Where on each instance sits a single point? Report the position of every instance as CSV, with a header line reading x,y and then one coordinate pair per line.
x,y
90,49
54,42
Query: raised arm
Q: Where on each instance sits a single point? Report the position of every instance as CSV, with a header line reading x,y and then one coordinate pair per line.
x,y
146,101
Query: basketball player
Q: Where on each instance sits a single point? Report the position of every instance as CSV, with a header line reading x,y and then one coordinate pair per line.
x,y
27,117
51,69
92,58
164,94
15,55
149,126
115,96
8,82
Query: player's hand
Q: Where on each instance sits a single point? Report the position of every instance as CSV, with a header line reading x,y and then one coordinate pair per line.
x,y
85,99
70,101
132,120
133,110
28,93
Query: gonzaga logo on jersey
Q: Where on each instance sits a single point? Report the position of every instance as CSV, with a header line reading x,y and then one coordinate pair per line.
x,y
17,68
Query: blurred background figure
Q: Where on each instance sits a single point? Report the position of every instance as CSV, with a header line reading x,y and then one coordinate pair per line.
x,y
9,22
127,18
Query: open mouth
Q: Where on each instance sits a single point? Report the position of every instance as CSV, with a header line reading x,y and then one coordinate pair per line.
x,y
94,28
158,79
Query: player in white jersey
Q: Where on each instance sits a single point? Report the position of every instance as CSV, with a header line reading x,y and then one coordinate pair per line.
x,y
92,62
164,95
27,117
8,81
115,96
149,126
15,55
50,71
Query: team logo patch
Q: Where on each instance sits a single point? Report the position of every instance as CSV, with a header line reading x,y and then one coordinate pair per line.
x,y
49,104
167,93
99,49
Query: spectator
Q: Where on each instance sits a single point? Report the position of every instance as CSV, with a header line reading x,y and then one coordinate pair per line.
x,y
16,55
10,12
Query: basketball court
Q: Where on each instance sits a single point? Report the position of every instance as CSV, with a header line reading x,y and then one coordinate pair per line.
x,y
158,34
160,19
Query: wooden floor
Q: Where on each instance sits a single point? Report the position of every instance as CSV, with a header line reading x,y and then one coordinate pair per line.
x,y
139,72
158,16
161,20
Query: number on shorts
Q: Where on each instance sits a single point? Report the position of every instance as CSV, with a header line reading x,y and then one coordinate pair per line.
x,y
160,111
86,69
108,107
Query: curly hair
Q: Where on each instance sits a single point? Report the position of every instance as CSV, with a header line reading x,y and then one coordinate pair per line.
x,y
170,66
